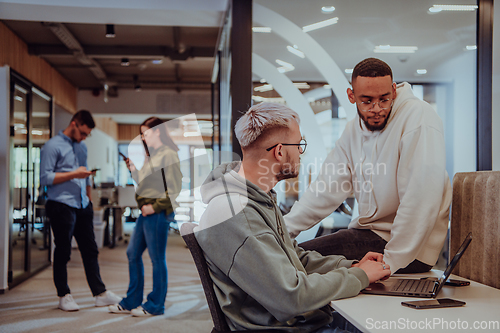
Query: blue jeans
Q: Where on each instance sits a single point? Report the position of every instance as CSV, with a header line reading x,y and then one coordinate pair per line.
x,y
150,232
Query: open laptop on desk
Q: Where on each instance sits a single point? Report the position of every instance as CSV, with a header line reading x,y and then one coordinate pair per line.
x,y
424,287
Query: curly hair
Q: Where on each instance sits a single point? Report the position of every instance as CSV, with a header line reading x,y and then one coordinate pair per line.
x,y
371,67
260,118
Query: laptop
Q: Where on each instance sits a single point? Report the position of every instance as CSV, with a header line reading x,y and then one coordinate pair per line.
x,y
427,287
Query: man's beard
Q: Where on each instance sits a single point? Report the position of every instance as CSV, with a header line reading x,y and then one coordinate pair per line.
x,y
372,127
287,171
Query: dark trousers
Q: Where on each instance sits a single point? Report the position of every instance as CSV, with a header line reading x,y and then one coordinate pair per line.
x,y
67,222
354,244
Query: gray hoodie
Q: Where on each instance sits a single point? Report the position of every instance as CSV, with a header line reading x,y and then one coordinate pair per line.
x,y
263,279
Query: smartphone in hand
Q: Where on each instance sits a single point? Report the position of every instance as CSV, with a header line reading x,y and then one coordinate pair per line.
x,y
123,155
433,303
94,170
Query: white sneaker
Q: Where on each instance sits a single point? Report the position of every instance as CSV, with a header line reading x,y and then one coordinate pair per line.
x,y
117,308
140,312
107,298
67,303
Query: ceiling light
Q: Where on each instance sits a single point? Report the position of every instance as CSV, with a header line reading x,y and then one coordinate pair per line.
x,y
110,31
319,25
18,98
125,62
348,70
263,80
284,63
453,8
421,71
261,29
295,51
157,61
301,85
264,88
394,49
327,9
471,47
327,87
285,69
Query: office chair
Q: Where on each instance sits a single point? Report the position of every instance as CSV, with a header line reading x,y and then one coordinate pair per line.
x,y
218,317
476,209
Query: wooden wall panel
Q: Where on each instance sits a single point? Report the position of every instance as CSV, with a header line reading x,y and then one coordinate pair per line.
x,y
108,126
127,132
14,53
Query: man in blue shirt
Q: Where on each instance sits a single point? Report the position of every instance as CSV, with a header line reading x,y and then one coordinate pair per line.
x,y
63,168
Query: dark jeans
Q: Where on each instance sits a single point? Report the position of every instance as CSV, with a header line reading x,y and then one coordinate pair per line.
x,y
354,244
67,222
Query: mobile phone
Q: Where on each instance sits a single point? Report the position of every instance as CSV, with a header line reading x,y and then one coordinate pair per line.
x,y
457,283
94,170
433,303
122,155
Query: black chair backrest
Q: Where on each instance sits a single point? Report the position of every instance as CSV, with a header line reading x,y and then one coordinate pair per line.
x,y
218,316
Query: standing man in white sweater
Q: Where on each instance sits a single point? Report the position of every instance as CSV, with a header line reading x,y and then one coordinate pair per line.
x,y
392,157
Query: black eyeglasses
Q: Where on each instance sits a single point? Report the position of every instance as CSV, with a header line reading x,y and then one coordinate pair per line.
x,y
82,133
302,146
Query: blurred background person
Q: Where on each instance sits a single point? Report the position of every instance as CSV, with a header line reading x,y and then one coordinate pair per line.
x,y
159,182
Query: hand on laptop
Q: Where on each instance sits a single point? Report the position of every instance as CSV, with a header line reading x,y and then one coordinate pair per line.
x,y
375,270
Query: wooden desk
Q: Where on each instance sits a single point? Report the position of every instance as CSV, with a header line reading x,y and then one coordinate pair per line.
x,y
373,313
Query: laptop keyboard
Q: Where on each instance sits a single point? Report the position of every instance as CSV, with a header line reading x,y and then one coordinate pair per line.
x,y
415,286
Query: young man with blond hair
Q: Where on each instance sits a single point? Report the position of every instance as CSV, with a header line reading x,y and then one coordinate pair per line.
x,y
262,279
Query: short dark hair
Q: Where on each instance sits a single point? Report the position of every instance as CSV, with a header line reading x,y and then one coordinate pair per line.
x,y
84,117
371,67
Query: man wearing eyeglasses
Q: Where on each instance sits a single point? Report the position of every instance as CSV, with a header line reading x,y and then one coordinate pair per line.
x,y
392,157
63,168
264,280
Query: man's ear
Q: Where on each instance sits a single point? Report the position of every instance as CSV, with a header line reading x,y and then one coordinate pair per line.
x,y
350,95
394,92
278,152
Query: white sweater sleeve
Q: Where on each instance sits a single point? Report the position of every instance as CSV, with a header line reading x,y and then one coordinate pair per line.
x,y
332,186
421,182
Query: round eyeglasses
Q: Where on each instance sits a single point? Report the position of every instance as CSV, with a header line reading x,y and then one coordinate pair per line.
x,y
383,104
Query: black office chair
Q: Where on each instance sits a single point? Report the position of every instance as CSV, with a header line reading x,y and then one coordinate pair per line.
x,y
218,317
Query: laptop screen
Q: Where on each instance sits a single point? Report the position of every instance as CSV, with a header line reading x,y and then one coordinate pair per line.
x,y
454,261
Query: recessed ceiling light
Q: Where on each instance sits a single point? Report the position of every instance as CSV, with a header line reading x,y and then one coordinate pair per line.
x,y
284,64
327,9
394,49
263,80
327,86
264,88
262,29
110,31
319,25
301,85
295,51
157,61
348,70
471,47
125,62
421,71
453,8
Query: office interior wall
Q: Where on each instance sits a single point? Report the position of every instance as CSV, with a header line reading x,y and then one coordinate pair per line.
x,y
4,176
103,155
460,72
496,88
147,102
